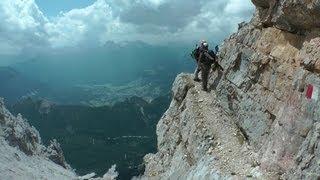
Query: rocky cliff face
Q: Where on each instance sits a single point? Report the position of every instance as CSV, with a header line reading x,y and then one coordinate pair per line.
x,y
261,118
297,16
23,156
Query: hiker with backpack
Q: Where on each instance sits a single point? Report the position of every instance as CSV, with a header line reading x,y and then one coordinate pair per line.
x,y
205,59
196,54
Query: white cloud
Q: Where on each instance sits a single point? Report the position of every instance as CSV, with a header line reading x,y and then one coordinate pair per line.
x,y
237,7
79,26
23,27
154,3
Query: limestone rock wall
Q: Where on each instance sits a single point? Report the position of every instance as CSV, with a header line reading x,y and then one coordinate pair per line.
x,y
267,73
268,93
290,15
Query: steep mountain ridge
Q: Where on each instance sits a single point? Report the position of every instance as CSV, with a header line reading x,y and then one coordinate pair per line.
x,y
23,156
261,117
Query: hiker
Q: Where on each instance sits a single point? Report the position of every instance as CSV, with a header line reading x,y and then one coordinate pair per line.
x,y
196,55
204,59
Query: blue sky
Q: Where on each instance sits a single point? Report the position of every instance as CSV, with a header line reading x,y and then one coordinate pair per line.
x,y
35,26
52,8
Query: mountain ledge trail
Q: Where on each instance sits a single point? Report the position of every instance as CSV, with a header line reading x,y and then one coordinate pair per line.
x,y
261,118
200,140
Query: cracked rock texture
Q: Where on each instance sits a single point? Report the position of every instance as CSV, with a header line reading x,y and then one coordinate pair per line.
x,y
290,15
256,122
24,157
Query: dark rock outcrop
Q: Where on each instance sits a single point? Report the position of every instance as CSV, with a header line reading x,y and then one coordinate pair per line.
x,y
55,154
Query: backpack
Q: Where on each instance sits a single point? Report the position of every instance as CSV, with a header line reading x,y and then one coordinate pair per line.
x,y
212,54
195,53
209,61
216,49
215,62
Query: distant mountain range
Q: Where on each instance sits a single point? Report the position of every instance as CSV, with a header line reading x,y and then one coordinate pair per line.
x,y
121,133
115,64
101,104
96,77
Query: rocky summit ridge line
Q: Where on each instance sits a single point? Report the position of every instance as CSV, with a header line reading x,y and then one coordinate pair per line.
x,y
261,118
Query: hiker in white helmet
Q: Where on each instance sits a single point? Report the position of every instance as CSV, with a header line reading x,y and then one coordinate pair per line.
x,y
204,61
197,55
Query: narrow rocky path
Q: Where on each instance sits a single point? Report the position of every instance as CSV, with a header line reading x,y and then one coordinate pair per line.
x,y
232,153
197,139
